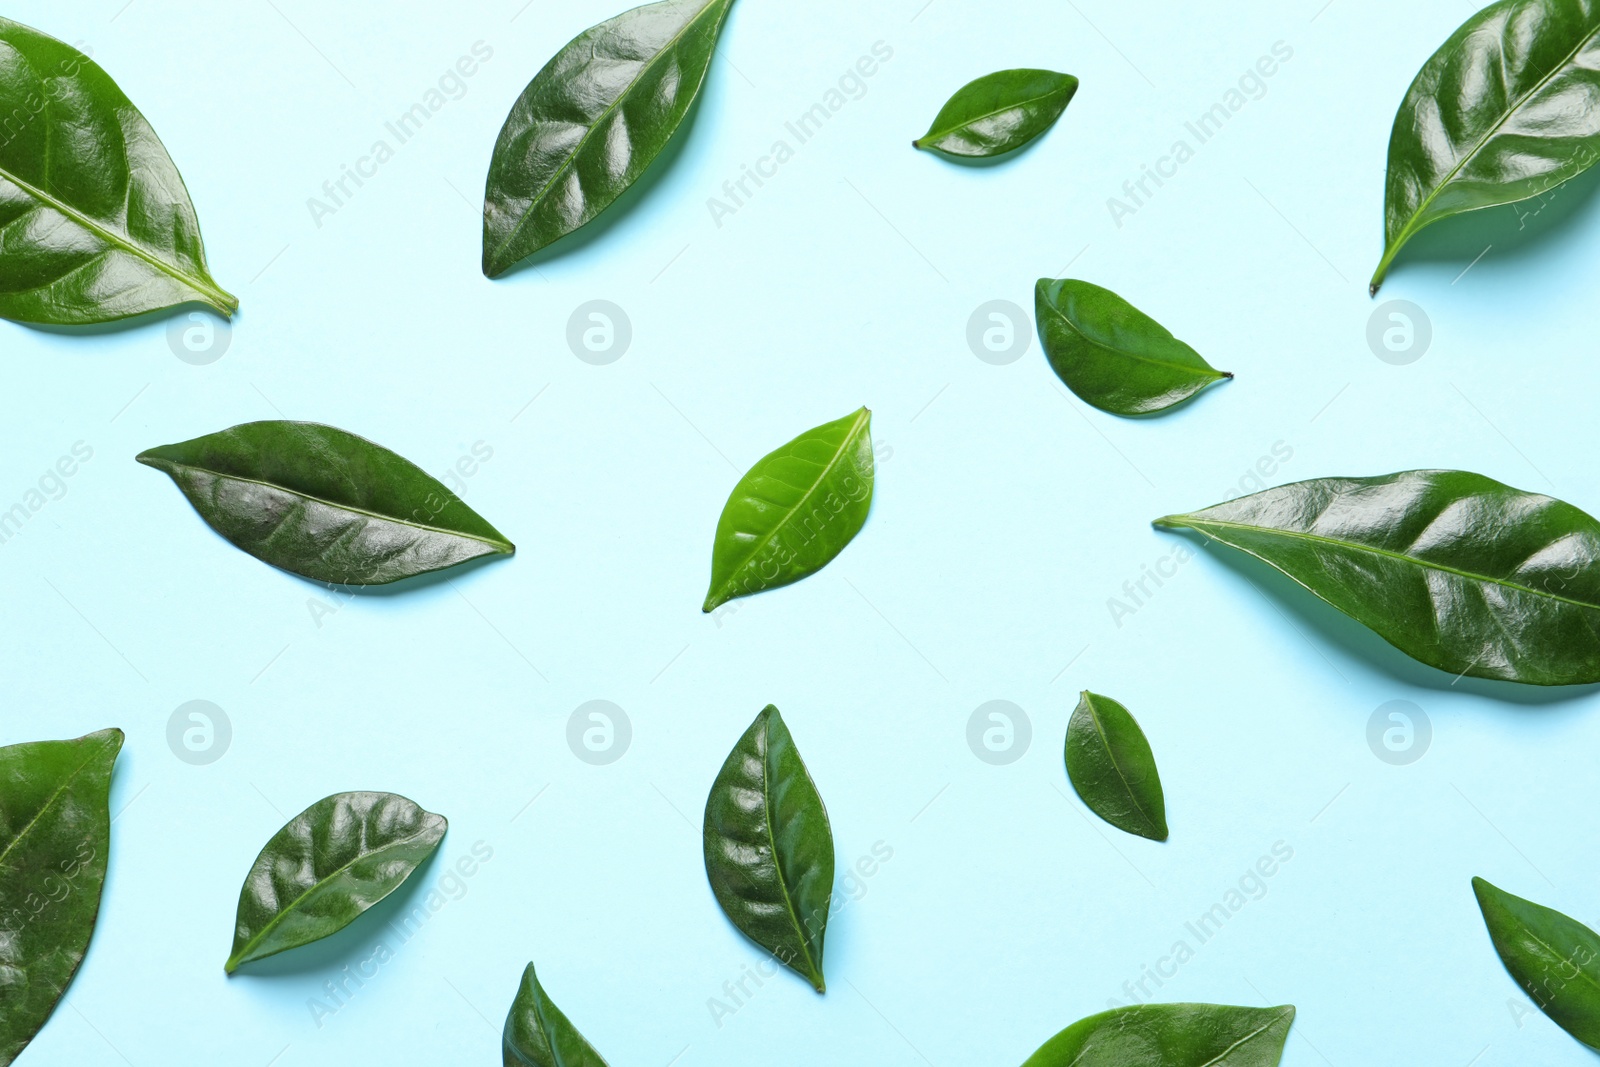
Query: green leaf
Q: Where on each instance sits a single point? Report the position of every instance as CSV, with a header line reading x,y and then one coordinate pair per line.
x,y
794,511
95,222
1171,1035
538,1035
326,866
55,832
1555,959
1504,111
325,504
769,848
1454,569
592,121
1111,354
1112,768
999,113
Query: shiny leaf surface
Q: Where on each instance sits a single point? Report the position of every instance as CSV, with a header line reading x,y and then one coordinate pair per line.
x,y
769,848
999,113
55,833
1171,1035
592,121
327,865
537,1034
1111,354
1454,569
1555,959
1504,111
95,222
325,504
1112,768
794,511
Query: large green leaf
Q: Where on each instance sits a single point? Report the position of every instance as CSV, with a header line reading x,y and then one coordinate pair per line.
x,y
55,832
1504,111
1112,768
769,848
999,113
1455,569
1111,354
324,503
326,866
794,511
537,1034
95,222
592,121
1171,1035
1555,959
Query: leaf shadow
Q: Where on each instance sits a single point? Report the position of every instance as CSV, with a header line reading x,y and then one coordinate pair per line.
x,y
344,947
129,324
1515,231
615,213
1315,620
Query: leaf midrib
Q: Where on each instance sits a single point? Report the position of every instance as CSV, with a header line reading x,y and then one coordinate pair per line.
x,y
504,545
583,142
1251,1036
1199,523
1105,742
772,838
1203,371
932,134
48,804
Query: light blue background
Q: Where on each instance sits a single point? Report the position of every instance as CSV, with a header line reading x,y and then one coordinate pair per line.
x,y
1007,513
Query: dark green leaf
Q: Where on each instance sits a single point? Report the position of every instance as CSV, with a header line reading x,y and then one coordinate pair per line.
x,y
592,121
1111,766
324,503
1556,960
55,832
1503,112
538,1035
1171,1035
1111,354
1454,569
95,223
794,511
329,864
769,848
999,113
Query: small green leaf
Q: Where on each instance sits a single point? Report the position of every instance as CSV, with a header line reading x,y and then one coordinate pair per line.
x,y
1112,768
326,866
794,511
1454,569
769,848
1555,959
1171,1035
1111,354
55,834
97,223
538,1035
999,113
592,121
325,504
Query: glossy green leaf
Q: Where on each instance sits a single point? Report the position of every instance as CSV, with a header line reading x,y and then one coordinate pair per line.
x,y
999,113
1504,111
326,866
592,121
1171,1035
1112,768
55,833
324,503
1454,569
1555,959
538,1035
1111,354
769,848
95,222
794,511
